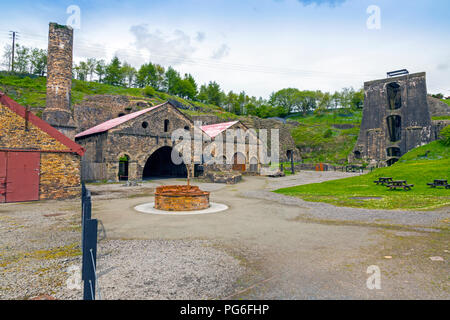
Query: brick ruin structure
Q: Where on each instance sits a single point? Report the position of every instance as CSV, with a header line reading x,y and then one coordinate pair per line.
x,y
58,111
396,119
139,145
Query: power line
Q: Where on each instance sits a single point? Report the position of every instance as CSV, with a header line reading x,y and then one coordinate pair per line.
x,y
81,44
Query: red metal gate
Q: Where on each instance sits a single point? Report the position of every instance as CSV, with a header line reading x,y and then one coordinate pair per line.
x,y
2,177
22,176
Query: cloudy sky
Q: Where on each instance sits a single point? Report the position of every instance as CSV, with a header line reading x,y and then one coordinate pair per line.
x,y
259,46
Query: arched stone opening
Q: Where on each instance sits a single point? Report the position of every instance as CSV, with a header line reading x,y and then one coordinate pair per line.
x,y
394,124
393,152
254,164
394,96
166,125
160,165
239,161
390,162
357,154
124,162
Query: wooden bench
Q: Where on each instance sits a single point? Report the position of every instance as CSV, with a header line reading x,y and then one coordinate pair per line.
x,y
400,184
383,180
439,183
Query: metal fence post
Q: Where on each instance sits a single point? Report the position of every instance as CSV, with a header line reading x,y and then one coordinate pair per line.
x,y
88,245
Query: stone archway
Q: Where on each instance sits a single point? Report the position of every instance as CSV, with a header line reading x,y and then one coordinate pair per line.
x,y
124,162
160,165
239,162
254,164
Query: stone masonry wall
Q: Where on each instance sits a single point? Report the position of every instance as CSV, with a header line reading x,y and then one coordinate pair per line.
x,y
13,134
60,176
59,76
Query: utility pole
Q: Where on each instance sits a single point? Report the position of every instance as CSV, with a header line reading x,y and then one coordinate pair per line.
x,y
13,34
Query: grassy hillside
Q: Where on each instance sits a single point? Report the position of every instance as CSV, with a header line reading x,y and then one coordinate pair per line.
x,y
327,138
32,92
419,167
447,101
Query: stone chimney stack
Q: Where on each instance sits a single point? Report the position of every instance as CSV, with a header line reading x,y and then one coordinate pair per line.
x,y
58,111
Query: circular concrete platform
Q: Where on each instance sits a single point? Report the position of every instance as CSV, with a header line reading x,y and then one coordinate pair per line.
x,y
150,208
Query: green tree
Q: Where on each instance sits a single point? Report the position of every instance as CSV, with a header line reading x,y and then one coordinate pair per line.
x,y
215,95
203,94
21,59
114,74
289,99
129,74
358,99
100,69
38,61
185,89
150,74
91,63
172,77
81,71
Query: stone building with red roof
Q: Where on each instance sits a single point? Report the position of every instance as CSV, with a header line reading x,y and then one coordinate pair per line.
x,y
139,145
37,162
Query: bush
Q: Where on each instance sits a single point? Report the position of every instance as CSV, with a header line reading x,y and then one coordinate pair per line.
x,y
328,134
149,92
445,136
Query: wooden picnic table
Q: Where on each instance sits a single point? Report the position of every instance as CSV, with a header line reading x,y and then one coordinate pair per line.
x,y
402,184
439,183
383,180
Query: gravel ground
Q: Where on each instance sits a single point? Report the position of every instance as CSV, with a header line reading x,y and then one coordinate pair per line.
x,y
40,242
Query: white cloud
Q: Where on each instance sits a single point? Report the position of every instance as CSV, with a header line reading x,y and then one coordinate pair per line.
x,y
200,36
164,49
222,52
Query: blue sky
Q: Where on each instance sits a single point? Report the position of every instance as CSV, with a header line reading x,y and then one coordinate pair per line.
x,y
256,45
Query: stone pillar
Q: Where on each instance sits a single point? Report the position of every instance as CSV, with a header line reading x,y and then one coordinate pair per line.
x,y
58,111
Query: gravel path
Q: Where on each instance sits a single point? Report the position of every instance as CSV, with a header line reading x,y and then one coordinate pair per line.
x,y
324,211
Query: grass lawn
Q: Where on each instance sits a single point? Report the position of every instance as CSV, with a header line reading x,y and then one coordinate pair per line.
x,y
417,167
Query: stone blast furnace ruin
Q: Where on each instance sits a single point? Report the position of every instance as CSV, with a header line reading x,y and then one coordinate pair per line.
x,y
181,198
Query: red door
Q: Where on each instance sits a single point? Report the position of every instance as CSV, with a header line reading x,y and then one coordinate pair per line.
x,y
22,176
2,177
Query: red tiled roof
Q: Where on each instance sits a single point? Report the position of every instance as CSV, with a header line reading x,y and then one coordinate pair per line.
x,y
41,124
107,125
213,130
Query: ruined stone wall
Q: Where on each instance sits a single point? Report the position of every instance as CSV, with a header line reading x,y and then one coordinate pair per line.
x,y
59,176
59,79
396,119
437,107
287,143
97,109
438,126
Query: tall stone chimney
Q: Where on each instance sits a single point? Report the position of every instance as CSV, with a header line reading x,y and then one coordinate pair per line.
x,y
58,111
